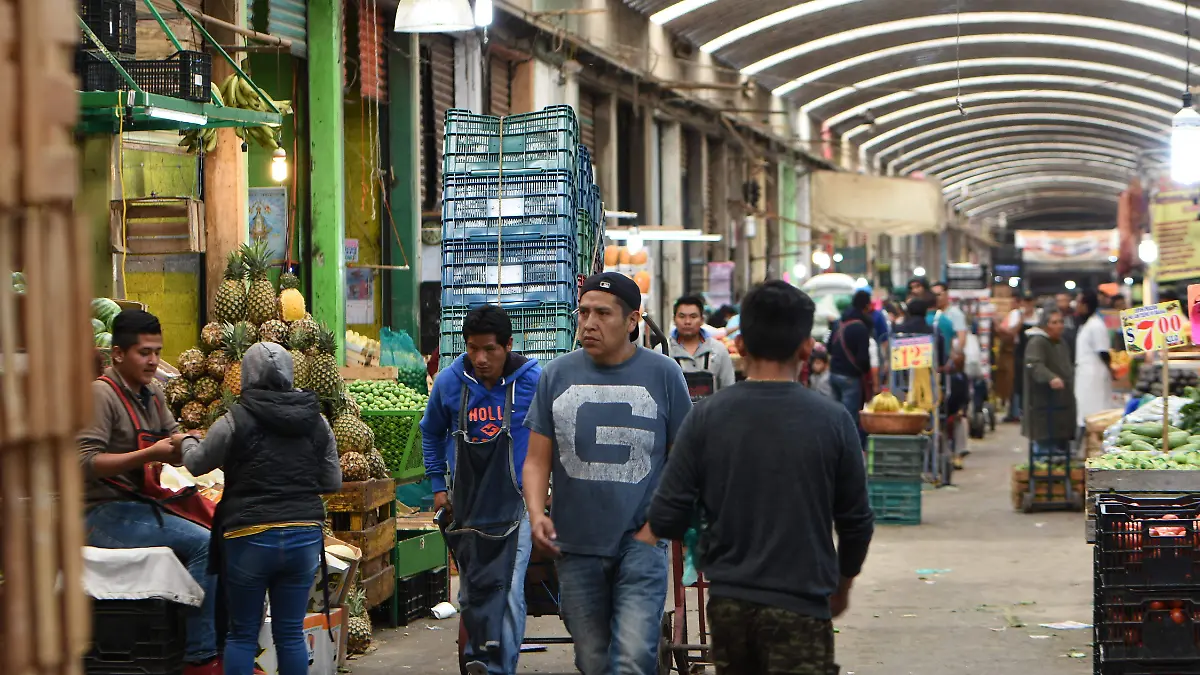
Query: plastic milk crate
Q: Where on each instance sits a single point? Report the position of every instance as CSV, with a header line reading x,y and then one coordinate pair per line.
x,y
516,203
896,456
540,269
895,501
547,139
545,329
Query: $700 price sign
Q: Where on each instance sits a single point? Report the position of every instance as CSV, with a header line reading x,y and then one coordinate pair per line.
x,y
1152,327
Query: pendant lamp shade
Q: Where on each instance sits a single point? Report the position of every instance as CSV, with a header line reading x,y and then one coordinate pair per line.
x,y
434,16
1185,144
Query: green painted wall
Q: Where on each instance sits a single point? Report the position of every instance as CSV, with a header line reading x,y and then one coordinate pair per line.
x,y
404,85
363,206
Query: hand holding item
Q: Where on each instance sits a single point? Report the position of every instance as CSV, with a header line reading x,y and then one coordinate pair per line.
x,y
544,535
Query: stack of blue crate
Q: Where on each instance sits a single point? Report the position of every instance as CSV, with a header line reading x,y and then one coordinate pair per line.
x,y
514,198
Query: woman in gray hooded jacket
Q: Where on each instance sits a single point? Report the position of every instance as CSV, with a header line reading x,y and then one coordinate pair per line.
x,y
278,455
1049,415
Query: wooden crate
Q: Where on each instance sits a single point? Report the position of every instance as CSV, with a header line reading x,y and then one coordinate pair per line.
x,y
157,226
380,588
368,372
363,514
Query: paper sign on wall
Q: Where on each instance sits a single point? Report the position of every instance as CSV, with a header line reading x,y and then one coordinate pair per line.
x,y
351,250
1152,327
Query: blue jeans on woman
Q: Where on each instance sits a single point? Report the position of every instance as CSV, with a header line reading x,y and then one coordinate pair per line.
x,y
282,562
848,390
131,524
613,607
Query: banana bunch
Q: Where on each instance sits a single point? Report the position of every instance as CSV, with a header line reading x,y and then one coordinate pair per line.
x,y
237,93
196,139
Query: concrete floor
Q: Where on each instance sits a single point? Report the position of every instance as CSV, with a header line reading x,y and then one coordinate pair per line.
x,y
998,575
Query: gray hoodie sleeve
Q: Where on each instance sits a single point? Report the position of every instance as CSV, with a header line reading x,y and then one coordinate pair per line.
x,y
330,479
202,456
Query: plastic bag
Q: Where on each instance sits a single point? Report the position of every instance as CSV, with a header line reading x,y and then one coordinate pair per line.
x,y
396,348
691,541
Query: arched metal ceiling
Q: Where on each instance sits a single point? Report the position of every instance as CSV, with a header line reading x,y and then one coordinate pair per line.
x,y
1049,92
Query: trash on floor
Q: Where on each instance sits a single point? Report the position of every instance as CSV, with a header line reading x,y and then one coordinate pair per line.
x,y
444,610
1066,625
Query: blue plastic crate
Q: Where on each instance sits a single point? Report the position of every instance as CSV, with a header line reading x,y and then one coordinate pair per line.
x,y
895,501
547,329
547,139
586,177
520,203
479,271
586,235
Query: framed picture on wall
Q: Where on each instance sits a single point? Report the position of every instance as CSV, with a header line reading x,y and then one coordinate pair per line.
x,y
267,210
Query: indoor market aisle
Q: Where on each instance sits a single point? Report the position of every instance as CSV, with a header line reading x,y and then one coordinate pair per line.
x,y
962,593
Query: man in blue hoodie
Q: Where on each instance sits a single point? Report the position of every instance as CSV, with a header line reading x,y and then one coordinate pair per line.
x,y
482,378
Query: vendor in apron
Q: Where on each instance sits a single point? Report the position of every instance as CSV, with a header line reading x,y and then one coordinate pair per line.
x,y
704,359
132,433
474,439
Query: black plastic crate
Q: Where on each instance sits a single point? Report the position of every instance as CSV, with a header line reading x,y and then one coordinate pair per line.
x,y
136,637
412,594
1147,669
186,75
96,73
1148,542
439,585
1147,627
114,23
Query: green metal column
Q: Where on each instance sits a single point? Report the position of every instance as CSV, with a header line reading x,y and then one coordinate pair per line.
x,y
328,187
96,190
404,127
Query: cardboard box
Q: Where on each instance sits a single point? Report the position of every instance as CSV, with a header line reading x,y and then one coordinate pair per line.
x,y
341,570
324,655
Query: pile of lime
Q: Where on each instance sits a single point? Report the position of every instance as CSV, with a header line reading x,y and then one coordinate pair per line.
x,y
386,395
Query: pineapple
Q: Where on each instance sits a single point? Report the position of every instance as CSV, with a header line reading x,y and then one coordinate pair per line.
x,y
216,364
261,301
273,331
214,412
192,415
299,369
377,466
303,333
251,332
291,300
191,364
178,391
207,390
352,434
323,376
358,626
350,405
236,344
210,337
230,303
354,467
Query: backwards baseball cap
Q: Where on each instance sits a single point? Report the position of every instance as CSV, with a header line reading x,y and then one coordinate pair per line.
x,y
617,284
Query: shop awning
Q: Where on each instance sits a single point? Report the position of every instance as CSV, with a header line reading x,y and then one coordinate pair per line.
x,y
875,204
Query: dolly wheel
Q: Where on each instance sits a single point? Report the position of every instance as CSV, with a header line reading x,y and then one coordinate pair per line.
x,y
666,634
1027,503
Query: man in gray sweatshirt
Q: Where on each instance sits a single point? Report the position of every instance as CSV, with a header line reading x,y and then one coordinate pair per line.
x,y
771,465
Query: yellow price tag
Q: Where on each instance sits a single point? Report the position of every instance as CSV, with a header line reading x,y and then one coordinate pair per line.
x,y
912,352
1149,328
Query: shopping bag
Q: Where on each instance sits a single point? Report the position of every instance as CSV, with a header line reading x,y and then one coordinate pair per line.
x,y
398,349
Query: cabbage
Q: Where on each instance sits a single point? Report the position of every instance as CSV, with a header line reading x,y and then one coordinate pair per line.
x,y
105,310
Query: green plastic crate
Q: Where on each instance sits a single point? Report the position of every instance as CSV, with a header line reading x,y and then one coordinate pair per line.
x,y
586,246
398,437
419,551
895,502
896,456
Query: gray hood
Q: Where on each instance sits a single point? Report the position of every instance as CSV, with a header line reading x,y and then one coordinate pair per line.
x,y
268,366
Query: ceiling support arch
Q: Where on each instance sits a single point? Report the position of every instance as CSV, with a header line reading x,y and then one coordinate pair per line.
x,y
1096,171
1031,147
1005,185
971,168
1043,196
1092,131
1099,146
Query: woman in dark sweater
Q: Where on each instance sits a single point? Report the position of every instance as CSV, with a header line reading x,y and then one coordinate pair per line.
x,y
279,456
850,356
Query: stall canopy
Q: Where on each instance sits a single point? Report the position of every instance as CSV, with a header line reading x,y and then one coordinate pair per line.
x,y
875,204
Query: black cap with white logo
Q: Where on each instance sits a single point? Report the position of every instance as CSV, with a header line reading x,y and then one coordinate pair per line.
x,y
617,284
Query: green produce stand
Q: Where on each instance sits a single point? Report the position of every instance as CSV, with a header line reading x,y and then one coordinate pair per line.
x,y
398,437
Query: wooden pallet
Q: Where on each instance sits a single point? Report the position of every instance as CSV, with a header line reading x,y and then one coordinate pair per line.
x,y
363,514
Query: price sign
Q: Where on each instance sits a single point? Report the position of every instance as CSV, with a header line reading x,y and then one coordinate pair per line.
x,y
912,352
1153,327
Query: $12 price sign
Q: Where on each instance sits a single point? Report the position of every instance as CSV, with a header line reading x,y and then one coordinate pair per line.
x,y
912,352
1153,327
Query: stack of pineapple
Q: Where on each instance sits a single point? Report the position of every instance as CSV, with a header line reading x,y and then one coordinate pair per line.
x,y
248,309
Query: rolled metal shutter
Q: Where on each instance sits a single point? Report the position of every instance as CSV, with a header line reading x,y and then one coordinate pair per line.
x,y
372,62
587,120
710,189
500,86
281,18
441,53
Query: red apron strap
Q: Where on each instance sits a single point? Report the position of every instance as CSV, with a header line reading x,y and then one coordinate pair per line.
x,y
133,416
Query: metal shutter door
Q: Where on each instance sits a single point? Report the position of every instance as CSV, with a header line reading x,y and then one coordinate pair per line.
x,y
500,86
587,120
441,52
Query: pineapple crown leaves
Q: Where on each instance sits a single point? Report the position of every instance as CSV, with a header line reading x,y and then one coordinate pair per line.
x,y
288,280
257,259
235,266
236,341
326,340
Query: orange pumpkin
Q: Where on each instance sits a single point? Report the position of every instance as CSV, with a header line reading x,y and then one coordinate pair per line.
x,y
612,254
638,258
642,279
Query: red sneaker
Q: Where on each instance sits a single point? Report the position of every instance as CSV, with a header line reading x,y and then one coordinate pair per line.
x,y
214,666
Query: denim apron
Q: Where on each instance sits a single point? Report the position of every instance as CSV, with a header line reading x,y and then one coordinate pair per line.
x,y
487,510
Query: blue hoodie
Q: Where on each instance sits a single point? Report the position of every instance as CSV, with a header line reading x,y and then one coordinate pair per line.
x,y
485,412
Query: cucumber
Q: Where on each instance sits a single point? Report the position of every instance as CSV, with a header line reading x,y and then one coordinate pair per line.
x,y
1149,429
1142,446
1177,438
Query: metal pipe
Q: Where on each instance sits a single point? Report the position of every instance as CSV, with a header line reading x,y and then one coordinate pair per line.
x,y
245,32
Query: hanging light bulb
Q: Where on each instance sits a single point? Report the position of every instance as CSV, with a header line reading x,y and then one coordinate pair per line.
x,y
279,165
1013,282
799,271
837,257
634,242
1185,144
918,271
483,13
434,16
1148,250
1069,285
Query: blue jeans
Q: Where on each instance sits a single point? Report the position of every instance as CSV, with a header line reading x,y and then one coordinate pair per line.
x,y
514,617
848,390
137,525
613,607
283,562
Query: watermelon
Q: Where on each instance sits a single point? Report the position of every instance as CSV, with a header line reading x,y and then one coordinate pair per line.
x,y
98,327
105,310
103,340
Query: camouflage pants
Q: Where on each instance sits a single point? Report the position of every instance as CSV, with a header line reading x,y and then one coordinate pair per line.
x,y
751,639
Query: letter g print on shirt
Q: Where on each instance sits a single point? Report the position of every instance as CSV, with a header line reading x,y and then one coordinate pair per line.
x,y
640,442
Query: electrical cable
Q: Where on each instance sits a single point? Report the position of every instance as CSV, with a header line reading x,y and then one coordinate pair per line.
x,y
121,177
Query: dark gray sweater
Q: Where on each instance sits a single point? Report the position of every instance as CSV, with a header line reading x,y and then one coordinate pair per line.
x,y
775,468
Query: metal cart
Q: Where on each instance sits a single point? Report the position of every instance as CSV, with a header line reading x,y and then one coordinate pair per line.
x,y
1057,469
939,455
